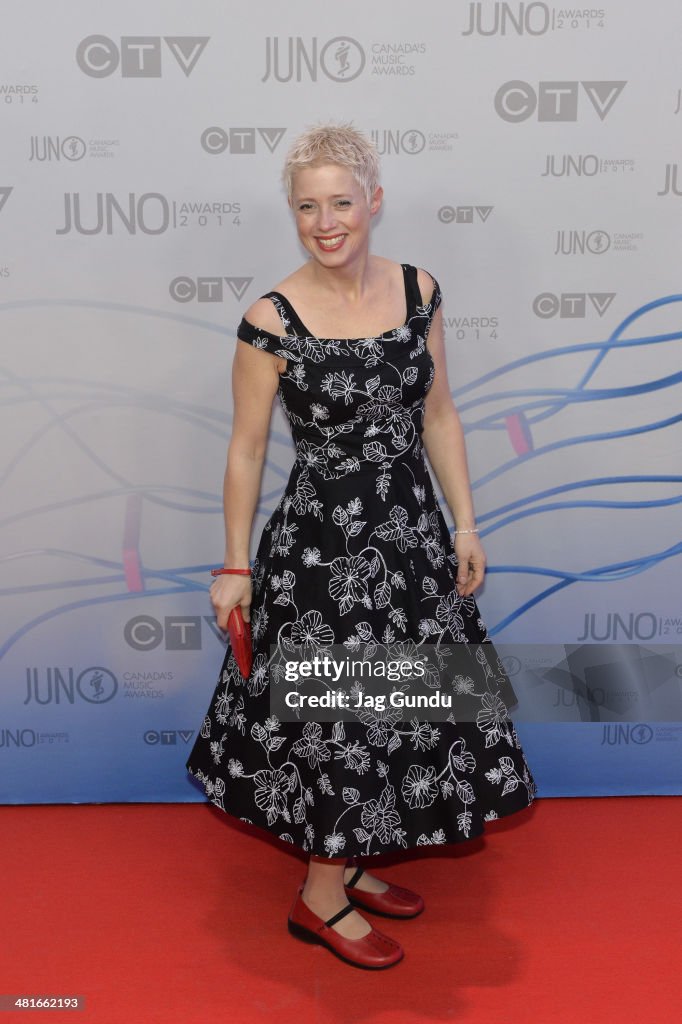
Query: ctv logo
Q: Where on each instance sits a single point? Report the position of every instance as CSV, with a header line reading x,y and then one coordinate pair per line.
x,y
207,289
571,305
463,214
176,632
517,101
238,141
167,737
138,56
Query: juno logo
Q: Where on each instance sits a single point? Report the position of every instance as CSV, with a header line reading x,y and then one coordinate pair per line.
x,y
295,59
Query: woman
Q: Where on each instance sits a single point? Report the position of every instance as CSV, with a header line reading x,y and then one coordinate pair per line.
x,y
356,552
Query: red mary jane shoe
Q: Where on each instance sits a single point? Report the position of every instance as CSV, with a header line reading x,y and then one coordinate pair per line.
x,y
394,902
373,951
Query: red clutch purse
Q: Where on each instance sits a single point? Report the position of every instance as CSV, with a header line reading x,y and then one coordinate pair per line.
x,y
238,630
240,640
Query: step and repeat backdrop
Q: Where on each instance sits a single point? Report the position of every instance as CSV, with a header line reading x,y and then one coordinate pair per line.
x,y
532,162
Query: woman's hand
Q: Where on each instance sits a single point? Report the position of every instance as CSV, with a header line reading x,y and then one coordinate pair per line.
x,y
472,560
225,592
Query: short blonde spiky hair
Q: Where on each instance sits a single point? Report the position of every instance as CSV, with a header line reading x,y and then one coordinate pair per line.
x,y
340,144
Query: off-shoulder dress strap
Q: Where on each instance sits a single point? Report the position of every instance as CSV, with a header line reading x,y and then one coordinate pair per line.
x,y
260,338
288,315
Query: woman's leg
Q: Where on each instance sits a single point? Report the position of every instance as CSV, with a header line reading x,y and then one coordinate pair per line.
x,y
323,892
367,882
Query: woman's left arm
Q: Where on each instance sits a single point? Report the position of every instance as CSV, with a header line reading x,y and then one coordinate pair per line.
x,y
443,440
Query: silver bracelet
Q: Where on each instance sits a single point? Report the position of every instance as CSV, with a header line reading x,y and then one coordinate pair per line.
x,y
475,530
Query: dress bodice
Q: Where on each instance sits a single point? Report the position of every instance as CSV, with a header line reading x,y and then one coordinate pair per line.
x,y
353,404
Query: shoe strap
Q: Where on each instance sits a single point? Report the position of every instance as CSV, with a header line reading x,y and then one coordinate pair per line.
x,y
355,878
342,913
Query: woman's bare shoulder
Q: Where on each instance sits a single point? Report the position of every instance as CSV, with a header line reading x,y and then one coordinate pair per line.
x,y
296,283
262,313
388,269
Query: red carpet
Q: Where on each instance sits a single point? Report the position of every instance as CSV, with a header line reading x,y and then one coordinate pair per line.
x,y
566,912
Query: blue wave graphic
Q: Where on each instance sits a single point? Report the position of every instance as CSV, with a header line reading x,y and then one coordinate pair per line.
x,y
521,410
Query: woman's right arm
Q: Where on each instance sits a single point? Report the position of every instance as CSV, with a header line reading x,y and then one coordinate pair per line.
x,y
255,380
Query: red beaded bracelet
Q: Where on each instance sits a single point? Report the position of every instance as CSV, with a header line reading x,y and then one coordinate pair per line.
x,y
238,572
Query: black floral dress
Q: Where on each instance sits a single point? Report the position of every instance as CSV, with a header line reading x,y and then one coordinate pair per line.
x,y
357,553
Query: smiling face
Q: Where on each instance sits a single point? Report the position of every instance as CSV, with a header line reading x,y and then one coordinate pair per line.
x,y
332,214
